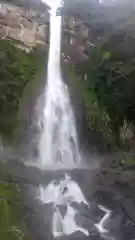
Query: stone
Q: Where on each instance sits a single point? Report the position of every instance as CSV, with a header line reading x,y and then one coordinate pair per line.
x,y
126,177
129,208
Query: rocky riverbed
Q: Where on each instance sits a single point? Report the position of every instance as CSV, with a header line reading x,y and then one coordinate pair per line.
x,y
100,186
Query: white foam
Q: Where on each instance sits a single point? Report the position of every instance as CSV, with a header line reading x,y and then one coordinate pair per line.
x,y
69,224
55,192
64,193
101,225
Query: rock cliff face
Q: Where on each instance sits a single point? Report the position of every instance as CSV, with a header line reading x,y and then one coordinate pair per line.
x,y
78,38
79,33
86,21
26,25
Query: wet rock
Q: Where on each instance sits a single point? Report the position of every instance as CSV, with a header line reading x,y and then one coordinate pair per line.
x,y
129,208
63,210
86,223
128,230
108,178
126,177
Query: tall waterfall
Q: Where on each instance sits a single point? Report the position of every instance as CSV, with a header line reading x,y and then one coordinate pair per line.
x,y
59,147
58,143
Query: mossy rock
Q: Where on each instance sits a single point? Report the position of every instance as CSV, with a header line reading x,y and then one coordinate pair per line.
x,y
12,225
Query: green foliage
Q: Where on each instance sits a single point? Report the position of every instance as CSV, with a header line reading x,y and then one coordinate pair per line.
x,y
16,69
96,117
130,162
111,72
109,92
110,68
11,227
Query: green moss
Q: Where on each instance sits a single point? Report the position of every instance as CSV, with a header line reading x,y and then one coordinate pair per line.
x,y
96,116
16,69
109,92
12,225
130,162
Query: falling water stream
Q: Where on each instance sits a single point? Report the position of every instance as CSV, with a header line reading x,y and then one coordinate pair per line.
x,y
59,143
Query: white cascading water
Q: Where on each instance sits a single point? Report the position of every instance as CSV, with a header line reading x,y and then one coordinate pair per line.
x,y
59,144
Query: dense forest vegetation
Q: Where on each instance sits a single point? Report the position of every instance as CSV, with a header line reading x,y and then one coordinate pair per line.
x,y
109,93
12,225
111,71
17,68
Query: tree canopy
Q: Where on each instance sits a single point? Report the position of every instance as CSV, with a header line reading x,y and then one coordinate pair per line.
x,y
16,69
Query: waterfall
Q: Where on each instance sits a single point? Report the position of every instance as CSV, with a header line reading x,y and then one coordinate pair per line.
x,y
59,147
58,143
